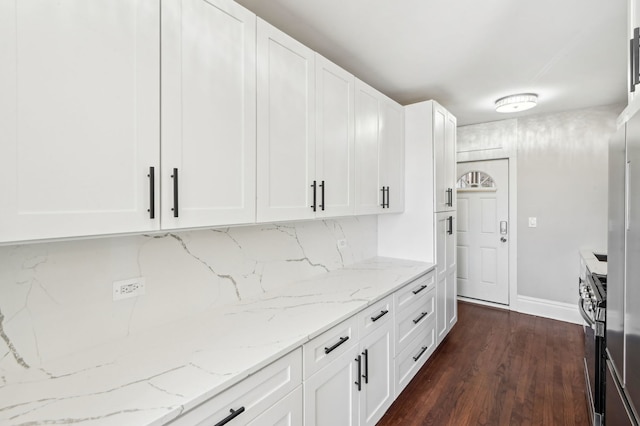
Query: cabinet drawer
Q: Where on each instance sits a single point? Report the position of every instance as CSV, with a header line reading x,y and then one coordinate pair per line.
x,y
414,290
253,395
328,346
412,316
375,316
409,361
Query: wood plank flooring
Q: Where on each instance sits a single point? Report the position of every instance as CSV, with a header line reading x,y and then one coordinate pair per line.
x,y
498,367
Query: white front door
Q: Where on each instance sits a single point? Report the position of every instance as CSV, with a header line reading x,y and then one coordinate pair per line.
x,y
483,230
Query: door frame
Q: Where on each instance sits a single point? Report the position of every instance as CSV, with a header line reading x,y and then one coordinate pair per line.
x,y
485,155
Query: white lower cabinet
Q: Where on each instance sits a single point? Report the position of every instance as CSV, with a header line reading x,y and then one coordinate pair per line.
x,y
286,412
356,386
261,394
417,352
331,394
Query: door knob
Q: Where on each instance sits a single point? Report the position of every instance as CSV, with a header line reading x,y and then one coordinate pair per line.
x,y
503,239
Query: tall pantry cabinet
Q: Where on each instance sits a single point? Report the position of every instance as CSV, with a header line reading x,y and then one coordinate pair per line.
x,y
426,231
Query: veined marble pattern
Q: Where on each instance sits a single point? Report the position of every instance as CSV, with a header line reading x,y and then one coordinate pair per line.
x,y
155,375
56,298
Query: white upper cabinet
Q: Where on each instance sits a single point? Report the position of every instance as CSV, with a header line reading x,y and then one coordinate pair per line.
x,y
334,140
208,113
78,117
444,152
286,132
391,122
379,152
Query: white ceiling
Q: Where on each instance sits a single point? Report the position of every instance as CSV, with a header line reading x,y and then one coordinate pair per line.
x,y
467,53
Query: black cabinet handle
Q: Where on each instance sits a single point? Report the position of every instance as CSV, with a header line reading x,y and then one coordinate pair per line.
x,y
636,56
422,315
422,350
175,192
358,382
366,366
383,198
450,225
632,57
313,185
233,415
382,313
152,192
332,348
387,197
422,287
322,195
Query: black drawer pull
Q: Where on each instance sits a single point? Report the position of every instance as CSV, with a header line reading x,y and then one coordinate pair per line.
x,y
233,415
417,320
330,349
382,313
359,381
322,196
424,348
152,193
422,287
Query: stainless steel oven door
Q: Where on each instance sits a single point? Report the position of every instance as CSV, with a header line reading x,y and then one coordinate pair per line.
x,y
589,352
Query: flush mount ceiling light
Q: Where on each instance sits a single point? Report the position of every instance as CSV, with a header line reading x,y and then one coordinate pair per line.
x,y
517,103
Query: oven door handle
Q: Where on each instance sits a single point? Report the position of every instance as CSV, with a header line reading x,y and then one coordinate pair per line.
x,y
584,314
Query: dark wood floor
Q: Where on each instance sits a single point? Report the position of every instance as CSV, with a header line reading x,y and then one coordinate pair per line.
x,y
498,368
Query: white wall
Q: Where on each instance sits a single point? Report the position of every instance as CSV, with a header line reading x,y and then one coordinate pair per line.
x,y
562,181
56,298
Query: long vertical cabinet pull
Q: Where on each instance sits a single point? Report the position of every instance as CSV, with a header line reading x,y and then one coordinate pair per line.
x,y
174,176
383,197
152,193
450,225
387,197
314,186
322,196
366,366
632,57
635,59
359,381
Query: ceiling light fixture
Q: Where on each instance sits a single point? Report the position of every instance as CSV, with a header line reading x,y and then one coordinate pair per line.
x,y
517,103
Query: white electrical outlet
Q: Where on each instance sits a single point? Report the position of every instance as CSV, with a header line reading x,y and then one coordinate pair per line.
x,y
342,243
128,288
533,222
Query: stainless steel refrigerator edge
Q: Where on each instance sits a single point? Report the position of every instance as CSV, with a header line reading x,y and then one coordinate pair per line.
x,y
623,277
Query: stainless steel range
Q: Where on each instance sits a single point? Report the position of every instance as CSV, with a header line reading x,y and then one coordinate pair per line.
x,y
592,305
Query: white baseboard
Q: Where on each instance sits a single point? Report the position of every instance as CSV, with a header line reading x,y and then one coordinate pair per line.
x,y
560,311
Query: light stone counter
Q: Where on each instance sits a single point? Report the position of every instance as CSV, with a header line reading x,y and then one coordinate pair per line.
x,y
152,377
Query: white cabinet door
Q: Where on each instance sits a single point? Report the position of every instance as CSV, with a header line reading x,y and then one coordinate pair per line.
x,y
450,176
368,186
440,158
286,412
79,117
446,296
452,267
334,140
208,113
377,393
286,119
331,395
391,158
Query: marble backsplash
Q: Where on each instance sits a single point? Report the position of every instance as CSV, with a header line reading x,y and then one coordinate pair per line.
x,y
56,298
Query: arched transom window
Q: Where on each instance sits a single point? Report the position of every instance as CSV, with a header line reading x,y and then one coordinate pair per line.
x,y
476,181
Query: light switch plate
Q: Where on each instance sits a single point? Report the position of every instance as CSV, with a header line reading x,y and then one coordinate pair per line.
x,y
533,222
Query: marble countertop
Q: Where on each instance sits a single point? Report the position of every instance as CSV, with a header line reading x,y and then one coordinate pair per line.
x,y
592,263
152,377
